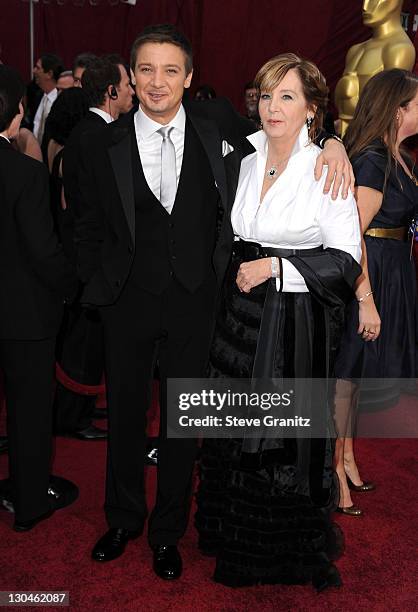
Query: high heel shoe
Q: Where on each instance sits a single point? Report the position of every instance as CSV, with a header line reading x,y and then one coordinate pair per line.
x,y
349,510
366,486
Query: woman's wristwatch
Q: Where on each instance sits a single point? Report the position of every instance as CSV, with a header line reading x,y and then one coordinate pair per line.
x,y
275,267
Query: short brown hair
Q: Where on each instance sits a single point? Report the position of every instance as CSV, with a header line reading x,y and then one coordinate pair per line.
x,y
97,78
313,82
164,33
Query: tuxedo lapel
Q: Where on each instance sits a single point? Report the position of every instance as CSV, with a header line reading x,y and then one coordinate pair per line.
x,y
210,138
121,160
233,164
94,120
246,148
5,144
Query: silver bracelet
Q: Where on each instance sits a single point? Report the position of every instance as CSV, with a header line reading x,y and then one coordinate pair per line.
x,y
363,297
275,267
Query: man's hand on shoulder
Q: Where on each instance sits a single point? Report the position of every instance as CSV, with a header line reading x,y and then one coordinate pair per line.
x,y
340,172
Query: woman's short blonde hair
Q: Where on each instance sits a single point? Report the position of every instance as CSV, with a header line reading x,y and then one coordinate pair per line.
x,y
313,82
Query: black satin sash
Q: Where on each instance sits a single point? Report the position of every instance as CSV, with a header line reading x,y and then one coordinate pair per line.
x,y
317,320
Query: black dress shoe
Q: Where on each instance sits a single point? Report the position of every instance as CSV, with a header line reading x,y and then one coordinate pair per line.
x,y
112,544
91,433
151,456
28,525
4,444
167,562
61,493
6,495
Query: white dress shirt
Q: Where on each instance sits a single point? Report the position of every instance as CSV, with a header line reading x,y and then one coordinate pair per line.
x,y
103,114
295,213
43,112
149,146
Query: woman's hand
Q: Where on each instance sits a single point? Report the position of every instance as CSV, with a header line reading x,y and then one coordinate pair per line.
x,y
253,273
339,168
369,320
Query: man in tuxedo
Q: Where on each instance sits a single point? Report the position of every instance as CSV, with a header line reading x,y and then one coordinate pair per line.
x,y
150,244
45,72
154,240
109,94
36,279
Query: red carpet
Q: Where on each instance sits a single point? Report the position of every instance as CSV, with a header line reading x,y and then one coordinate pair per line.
x,y
379,567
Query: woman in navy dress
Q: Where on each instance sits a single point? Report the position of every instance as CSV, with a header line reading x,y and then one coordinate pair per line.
x,y
380,340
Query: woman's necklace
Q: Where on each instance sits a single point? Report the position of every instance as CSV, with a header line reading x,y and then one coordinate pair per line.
x,y
273,171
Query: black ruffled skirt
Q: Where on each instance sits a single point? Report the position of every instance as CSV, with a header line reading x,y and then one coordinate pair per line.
x,y
271,523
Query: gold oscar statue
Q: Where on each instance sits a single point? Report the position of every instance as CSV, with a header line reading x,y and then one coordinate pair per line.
x,y
389,47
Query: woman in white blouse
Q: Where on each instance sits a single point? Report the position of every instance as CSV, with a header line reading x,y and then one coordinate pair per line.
x,y
264,504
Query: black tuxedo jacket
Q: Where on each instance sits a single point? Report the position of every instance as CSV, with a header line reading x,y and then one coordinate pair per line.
x,y
70,160
35,276
105,228
89,124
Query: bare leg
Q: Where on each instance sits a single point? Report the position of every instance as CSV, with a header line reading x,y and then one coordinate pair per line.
x,y
345,398
350,465
345,495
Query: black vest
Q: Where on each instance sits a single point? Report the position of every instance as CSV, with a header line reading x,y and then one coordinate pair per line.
x,y
180,244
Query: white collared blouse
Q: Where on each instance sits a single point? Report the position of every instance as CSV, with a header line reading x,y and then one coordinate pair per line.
x,y
295,213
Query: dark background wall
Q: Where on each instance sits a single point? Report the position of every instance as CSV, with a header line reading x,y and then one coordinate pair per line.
x,y
231,38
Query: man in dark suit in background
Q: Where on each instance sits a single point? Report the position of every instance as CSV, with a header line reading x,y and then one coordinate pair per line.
x,y
154,239
45,72
109,94
81,62
35,278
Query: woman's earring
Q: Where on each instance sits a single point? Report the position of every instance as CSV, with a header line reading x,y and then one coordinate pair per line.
x,y
309,121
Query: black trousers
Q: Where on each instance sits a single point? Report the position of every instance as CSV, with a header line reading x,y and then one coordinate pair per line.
x,y
175,329
28,367
72,412
80,352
